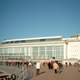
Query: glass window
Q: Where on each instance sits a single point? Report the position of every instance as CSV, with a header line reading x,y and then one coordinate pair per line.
x,y
16,51
42,52
0,51
22,51
10,51
35,52
26,51
58,51
49,52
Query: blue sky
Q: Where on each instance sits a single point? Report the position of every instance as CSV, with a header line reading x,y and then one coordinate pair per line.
x,y
36,18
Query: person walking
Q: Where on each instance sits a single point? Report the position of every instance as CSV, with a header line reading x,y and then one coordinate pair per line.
x,y
37,68
49,65
60,67
56,67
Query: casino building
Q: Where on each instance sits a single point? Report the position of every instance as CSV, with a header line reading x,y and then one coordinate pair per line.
x,y
41,48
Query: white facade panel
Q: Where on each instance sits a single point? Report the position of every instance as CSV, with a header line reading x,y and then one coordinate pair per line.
x,y
74,50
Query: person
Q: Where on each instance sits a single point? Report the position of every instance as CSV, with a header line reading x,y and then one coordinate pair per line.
x,y
13,77
37,68
60,67
70,64
66,64
25,74
49,65
56,67
79,66
30,64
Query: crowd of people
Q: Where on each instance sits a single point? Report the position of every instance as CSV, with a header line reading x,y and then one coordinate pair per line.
x,y
52,65
26,72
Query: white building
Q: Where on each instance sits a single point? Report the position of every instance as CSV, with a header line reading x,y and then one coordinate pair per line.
x,y
41,48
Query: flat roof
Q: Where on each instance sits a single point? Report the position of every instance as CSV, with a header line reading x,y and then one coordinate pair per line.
x,y
36,38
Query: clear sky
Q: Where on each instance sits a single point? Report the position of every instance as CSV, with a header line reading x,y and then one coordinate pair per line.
x,y
36,18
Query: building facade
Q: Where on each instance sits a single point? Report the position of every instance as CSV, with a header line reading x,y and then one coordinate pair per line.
x,y
42,48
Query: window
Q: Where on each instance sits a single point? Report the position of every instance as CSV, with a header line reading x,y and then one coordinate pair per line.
x,y
49,52
35,52
42,52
